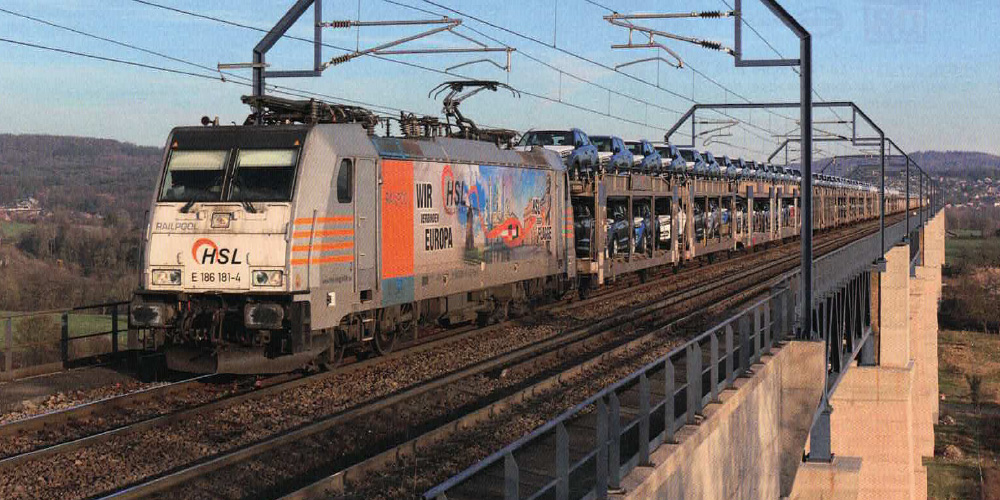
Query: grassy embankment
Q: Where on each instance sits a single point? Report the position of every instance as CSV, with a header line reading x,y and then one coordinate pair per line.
x,y
967,441
966,464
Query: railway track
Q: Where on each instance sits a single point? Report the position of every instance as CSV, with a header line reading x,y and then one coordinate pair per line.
x,y
166,394
91,422
215,456
437,408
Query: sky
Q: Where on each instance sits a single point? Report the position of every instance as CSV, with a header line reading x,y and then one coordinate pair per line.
x,y
928,73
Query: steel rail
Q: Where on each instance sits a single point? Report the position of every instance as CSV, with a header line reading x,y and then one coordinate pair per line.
x,y
39,421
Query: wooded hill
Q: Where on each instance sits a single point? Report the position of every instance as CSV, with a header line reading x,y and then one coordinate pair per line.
x,y
82,174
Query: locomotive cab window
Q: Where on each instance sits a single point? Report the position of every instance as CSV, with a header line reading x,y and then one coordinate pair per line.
x,y
264,175
194,176
345,181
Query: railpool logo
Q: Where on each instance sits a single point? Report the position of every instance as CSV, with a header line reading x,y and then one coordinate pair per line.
x,y
205,251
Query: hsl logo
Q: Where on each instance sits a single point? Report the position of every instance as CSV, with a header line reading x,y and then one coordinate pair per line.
x,y
210,253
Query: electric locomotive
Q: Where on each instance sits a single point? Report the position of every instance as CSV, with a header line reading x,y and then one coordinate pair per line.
x,y
270,246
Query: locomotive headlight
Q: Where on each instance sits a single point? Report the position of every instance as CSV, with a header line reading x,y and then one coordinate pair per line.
x,y
220,220
268,278
166,276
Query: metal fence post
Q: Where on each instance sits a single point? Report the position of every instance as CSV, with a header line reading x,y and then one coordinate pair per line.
x,y
730,354
114,330
765,346
601,461
668,402
644,420
744,344
8,357
562,462
756,336
615,441
714,357
510,478
819,436
65,337
693,380
785,319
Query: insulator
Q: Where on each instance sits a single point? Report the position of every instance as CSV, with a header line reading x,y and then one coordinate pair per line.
x,y
711,14
709,44
341,59
410,128
338,24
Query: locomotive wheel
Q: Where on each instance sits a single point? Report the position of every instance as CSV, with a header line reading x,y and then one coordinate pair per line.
x,y
384,341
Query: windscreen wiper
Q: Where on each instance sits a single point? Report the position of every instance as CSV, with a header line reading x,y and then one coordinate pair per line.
x,y
247,205
187,206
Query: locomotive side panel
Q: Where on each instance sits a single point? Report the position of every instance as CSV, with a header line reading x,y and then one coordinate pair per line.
x,y
339,179
468,227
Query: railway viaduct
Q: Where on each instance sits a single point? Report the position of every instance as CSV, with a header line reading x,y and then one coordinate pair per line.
x,y
761,409
751,443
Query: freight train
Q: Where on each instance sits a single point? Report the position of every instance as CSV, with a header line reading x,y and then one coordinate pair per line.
x,y
270,247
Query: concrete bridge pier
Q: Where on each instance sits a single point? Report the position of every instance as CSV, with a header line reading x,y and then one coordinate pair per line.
x,y
882,423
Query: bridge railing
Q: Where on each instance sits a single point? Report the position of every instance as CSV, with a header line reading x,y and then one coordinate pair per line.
x,y
597,442
38,342
834,269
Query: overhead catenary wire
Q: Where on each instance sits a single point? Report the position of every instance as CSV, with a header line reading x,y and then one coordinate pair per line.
x,y
280,89
597,63
695,70
602,65
759,35
777,52
425,68
396,61
743,124
107,59
212,77
213,72
708,78
522,53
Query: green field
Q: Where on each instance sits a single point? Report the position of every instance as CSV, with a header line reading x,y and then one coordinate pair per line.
x,y
14,230
967,233
968,353
49,326
956,249
975,435
38,339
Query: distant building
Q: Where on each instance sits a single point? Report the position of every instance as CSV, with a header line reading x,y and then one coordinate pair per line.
x,y
26,207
